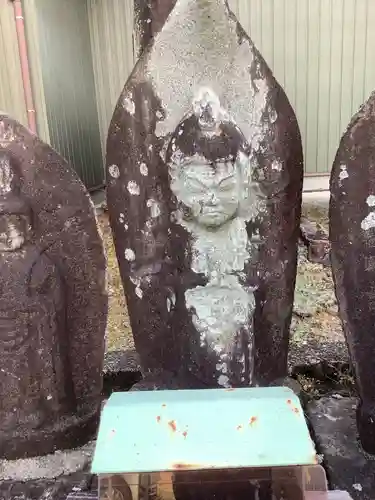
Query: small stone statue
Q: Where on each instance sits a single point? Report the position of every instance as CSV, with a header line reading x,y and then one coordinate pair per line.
x,y
352,236
211,180
32,315
53,301
204,164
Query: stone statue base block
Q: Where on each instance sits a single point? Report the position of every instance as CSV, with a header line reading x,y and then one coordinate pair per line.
x,y
75,429
48,467
348,466
61,488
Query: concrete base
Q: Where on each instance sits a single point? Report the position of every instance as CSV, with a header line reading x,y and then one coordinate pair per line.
x,y
316,183
60,463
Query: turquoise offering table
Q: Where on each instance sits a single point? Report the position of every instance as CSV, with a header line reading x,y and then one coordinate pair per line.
x,y
147,439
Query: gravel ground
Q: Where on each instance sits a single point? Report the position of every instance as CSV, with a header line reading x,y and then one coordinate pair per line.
x,y
315,322
119,334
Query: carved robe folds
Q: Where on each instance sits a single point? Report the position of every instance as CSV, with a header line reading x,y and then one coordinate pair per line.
x,y
33,359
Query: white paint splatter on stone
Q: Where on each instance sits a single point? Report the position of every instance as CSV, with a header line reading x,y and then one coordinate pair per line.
x,y
277,166
114,171
177,57
129,254
133,188
369,221
143,169
343,173
137,283
222,367
129,105
154,208
6,175
223,381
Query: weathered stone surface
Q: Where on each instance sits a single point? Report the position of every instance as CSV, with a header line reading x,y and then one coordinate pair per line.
x,y
117,361
150,15
57,489
53,301
58,464
202,114
348,467
352,234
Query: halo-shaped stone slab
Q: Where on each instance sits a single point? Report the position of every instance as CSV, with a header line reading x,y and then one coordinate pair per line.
x,y
200,71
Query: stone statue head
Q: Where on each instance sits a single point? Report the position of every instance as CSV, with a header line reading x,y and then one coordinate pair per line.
x,y
208,161
15,214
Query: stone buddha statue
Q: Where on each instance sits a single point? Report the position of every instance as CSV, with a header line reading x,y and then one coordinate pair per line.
x,y
217,200
33,357
204,163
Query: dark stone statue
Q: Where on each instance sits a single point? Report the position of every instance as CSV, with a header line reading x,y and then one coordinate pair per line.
x,y
52,302
352,234
204,171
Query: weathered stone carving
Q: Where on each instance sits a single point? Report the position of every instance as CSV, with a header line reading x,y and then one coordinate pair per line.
x,y
211,178
352,235
32,312
204,163
52,300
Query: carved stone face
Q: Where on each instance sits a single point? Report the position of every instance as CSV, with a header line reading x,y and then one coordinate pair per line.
x,y
210,192
13,232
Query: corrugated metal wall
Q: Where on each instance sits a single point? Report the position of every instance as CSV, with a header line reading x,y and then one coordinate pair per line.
x,y
12,98
319,50
69,88
11,91
31,25
111,31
